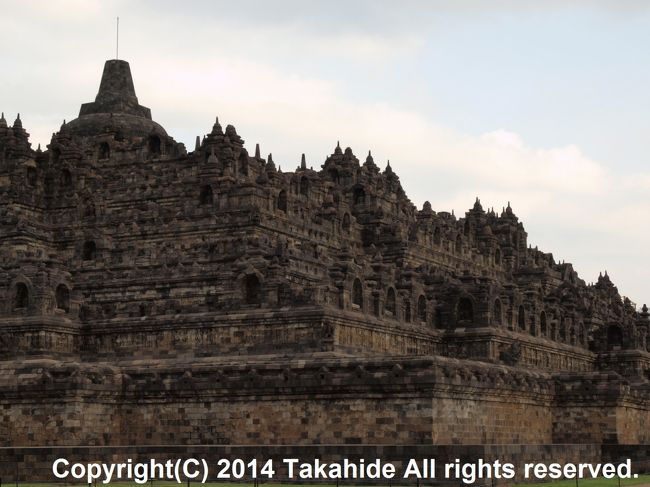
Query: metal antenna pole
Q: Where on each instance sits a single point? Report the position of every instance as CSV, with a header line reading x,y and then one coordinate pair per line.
x,y
117,40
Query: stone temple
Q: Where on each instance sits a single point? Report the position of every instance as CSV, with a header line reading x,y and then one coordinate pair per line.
x,y
154,296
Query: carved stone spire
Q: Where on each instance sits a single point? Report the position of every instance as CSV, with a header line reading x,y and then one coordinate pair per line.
x,y
270,165
116,93
216,128
370,163
478,208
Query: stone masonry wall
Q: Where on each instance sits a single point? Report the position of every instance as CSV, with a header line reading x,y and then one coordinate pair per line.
x,y
496,421
270,421
632,422
276,401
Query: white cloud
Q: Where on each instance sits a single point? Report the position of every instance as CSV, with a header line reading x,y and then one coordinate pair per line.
x,y
640,182
359,46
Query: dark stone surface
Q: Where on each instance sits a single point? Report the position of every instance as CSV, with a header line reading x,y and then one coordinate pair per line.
x,y
116,93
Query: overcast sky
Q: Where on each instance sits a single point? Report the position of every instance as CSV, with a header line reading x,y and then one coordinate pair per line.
x,y
543,104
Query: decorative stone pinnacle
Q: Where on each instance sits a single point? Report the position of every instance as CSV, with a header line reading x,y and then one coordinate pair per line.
x,y
270,165
116,92
370,162
216,128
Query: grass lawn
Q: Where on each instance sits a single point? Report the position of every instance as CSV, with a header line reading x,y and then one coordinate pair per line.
x,y
598,482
